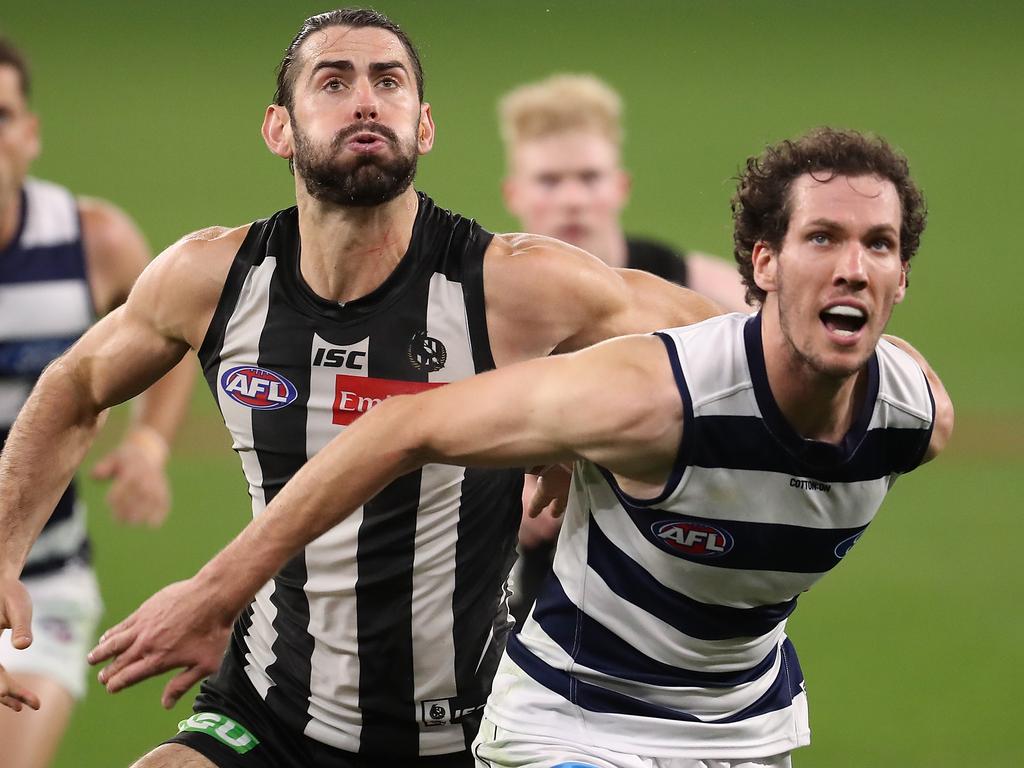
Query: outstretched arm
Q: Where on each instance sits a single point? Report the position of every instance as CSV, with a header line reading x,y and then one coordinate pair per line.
x,y
615,404
116,359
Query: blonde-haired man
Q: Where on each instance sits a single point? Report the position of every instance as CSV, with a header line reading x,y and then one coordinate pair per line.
x,y
563,140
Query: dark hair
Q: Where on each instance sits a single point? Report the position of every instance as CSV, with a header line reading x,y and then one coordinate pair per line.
x,y
356,18
761,205
12,57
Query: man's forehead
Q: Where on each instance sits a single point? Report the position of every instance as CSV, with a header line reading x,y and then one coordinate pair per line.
x,y
10,84
813,192
350,43
571,147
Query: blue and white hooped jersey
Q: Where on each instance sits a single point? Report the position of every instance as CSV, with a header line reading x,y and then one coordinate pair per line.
x,y
662,630
45,305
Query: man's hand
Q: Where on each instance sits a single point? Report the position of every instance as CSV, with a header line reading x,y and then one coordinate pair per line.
x,y
139,493
178,627
544,499
16,614
13,695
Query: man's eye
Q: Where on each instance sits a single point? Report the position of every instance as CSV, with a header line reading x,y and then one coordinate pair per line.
x,y
549,181
820,238
333,84
389,82
882,244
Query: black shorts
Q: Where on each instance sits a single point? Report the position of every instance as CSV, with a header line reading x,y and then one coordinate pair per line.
x,y
234,728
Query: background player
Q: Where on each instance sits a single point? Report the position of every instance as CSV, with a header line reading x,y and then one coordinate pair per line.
x,y
63,261
721,469
377,644
563,147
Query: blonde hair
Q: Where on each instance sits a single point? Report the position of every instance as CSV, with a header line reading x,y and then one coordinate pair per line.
x,y
558,104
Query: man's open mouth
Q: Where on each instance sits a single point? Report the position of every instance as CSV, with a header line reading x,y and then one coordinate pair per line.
x,y
844,320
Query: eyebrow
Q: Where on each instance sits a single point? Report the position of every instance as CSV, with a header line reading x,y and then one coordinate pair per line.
x,y
831,224
346,65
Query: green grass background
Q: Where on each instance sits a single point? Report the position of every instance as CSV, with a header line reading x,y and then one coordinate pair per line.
x,y
912,649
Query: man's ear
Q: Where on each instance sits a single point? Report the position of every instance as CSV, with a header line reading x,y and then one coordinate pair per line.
x,y
901,290
425,130
277,131
765,262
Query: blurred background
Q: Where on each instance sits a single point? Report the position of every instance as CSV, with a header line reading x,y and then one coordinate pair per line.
x,y
912,649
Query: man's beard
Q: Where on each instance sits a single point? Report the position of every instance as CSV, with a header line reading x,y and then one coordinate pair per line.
x,y
364,181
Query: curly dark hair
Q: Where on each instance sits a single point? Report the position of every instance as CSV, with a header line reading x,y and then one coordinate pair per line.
x,y
357,18
761,205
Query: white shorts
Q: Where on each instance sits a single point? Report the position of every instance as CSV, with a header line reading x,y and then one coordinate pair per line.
x,y
66,608
496,747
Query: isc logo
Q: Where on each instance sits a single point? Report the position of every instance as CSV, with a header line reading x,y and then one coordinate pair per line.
x,y
692,538
336,357
258,388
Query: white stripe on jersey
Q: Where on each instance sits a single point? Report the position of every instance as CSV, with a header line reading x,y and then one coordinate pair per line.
x,y
242,333
52,215
56,308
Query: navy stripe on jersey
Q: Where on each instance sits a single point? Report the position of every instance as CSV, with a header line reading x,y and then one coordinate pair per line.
x,y
596,699
28,358
633,583
743,442
591,644
48,262
752,546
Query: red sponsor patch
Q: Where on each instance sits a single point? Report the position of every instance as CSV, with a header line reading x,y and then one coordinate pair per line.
x,y
355,395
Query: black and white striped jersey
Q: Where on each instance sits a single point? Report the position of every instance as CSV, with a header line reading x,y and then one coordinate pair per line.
x,y
45,305
663,628
383,635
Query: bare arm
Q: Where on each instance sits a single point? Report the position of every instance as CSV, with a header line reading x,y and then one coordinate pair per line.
x,y
615,404
116,254
942,429
544,295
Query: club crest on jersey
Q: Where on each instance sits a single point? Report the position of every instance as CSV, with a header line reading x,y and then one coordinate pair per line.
x,y
691,538
844,546
258,388
427,353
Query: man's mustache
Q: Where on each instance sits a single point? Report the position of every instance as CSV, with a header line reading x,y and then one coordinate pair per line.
x,y
365,127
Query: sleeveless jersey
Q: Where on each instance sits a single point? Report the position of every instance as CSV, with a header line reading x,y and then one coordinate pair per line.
x,y
663,629
656,258
45,305
384,633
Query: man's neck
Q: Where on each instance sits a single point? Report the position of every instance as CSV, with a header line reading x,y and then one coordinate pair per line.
x,y
817,406
612,250
10,217
349,252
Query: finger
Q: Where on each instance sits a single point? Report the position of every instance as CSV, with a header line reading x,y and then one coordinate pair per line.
x,y
113,643
179,685
19,613
136,672
15,697
105,467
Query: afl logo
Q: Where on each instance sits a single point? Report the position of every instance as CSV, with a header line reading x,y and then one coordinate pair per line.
x,y
846,545
694,539
258,388
427,353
